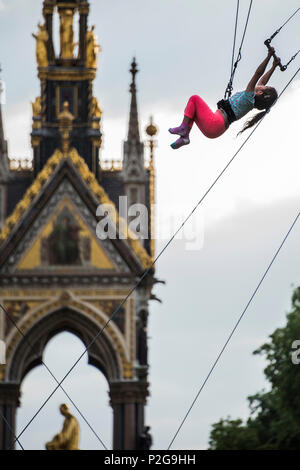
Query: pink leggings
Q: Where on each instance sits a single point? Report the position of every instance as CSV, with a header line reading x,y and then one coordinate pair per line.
x,y
211,124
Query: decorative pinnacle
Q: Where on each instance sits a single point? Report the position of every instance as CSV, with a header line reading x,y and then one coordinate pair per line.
x,y
151,129
133,131
133,71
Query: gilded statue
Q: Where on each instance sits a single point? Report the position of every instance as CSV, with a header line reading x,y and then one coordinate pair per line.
x,y
68,438
37,107
66,34
96,111
65,119
42,38
92,48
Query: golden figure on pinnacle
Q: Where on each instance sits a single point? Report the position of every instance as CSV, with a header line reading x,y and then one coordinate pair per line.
x,y
92,49
42,38
66,34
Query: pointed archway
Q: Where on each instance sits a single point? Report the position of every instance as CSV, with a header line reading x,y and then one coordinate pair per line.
x,y
87,388
127,398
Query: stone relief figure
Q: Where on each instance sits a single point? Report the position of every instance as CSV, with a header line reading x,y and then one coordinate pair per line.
x,y
68,438
42,38
64,246
64,241
37,107
92,48
66,34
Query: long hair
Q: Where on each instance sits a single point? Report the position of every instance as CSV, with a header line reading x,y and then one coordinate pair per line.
x,y
263,101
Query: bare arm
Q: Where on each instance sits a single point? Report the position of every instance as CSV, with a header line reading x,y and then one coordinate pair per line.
x,y
259,71
264,80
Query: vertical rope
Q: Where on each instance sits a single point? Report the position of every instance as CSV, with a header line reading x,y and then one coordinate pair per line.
x,y
239,55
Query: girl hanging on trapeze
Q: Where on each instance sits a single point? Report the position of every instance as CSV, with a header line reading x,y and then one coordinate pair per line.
x,y
213,124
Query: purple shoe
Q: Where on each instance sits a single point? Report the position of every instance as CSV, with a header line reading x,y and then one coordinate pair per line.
x,y
182,130
180,142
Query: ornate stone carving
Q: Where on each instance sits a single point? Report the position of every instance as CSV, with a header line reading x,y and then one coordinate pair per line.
x,y
109,307
64,190
90,180
15,309
65,297
88,321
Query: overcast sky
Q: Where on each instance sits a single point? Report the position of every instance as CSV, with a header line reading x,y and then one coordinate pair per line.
x,y
181,51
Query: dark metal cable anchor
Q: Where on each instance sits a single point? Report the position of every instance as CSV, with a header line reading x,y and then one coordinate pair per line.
x,y
270,39
282,67
279,29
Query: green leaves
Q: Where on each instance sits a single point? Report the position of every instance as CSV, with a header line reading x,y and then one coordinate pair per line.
x,y
275,415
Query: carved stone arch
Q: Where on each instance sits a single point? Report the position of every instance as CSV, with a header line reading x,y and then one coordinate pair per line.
x,y
29,351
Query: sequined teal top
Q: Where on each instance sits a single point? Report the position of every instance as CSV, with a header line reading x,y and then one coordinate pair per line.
x,y
242,102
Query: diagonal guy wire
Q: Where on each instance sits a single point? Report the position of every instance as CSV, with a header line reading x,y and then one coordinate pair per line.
x,y
233,331
155,260
11,430
52,375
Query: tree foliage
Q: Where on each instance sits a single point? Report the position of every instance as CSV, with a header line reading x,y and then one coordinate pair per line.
x,y
274,421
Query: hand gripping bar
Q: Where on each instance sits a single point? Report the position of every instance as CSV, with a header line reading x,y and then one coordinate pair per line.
x,y
267,43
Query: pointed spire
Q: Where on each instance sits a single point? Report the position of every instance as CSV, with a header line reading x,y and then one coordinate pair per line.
x,y
133,130
133,160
